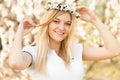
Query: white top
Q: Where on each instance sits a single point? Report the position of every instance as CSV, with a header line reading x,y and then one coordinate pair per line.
x,y
56,69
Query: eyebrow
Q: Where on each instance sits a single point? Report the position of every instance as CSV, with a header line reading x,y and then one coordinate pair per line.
x,y
59,19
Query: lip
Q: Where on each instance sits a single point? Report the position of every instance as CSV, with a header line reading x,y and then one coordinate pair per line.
x,y
59,33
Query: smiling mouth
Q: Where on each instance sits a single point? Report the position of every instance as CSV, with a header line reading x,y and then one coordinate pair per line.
x,y
59,33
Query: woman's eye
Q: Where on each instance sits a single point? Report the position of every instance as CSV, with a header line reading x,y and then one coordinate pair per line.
x,y
67,24
55,21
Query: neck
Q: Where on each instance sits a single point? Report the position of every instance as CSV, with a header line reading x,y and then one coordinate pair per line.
x,y
55,45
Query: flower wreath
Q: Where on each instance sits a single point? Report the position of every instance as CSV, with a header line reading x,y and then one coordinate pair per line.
x,y
63,7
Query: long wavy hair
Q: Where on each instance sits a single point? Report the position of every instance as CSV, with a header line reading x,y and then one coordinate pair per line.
x,y
43,43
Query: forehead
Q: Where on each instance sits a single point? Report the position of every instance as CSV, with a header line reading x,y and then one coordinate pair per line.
x,y
66,16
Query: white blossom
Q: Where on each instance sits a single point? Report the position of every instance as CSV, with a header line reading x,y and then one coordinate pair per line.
x,y
63,7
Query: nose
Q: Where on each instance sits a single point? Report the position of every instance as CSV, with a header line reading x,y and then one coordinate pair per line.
x,y
61,27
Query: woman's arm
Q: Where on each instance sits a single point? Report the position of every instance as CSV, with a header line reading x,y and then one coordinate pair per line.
x,y
111,46
18,59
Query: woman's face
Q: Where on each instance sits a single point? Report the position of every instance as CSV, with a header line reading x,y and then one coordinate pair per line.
x,y
59,28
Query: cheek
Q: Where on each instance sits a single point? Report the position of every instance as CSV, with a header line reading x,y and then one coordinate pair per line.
x,y
51,26
67,30
50,29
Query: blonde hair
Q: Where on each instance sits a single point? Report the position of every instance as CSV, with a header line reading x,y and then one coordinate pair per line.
x,y
44,44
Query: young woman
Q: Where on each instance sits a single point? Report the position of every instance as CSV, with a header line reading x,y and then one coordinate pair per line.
x,y
56,56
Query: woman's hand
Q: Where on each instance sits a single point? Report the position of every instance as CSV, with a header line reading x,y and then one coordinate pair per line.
x,y
26,26
86,14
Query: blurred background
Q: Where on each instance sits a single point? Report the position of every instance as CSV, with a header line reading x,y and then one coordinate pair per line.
x,y
13,11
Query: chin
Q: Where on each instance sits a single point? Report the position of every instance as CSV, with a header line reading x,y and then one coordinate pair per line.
x,y
58,40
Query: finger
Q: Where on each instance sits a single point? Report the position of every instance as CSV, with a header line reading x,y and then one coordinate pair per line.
x,y
81,9
28,24
82,18
28,31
